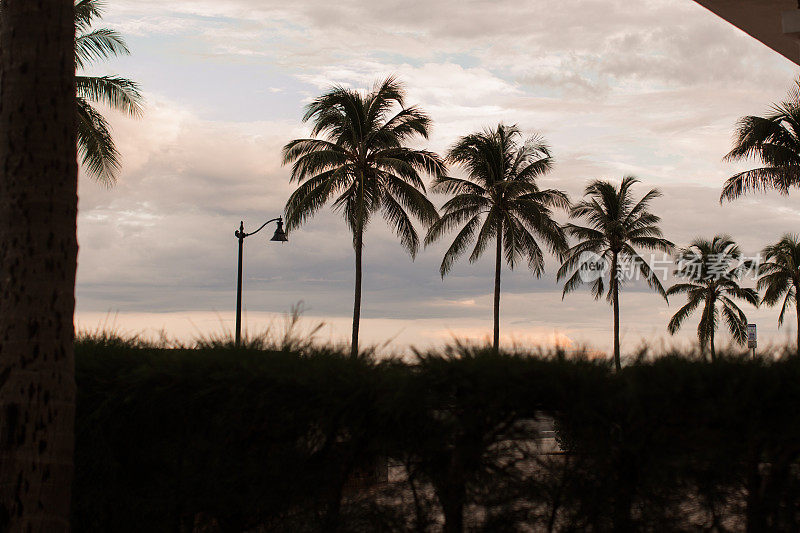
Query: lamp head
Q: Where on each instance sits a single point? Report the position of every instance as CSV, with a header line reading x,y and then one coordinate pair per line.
x,y
280,235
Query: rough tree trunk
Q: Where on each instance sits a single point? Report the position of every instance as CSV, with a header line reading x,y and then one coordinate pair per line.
x,y
38,254
497,266
452,495
624,496
453,509
755,513
615,298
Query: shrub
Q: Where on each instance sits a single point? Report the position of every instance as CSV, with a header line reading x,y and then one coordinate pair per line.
x,y
223,439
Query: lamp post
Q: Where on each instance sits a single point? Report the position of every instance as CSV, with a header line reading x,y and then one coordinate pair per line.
x,y
278,236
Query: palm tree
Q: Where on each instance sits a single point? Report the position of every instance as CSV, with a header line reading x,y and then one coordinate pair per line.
x,y
96,146
779,276
713,270
501,201
617,225
774,140
38,258
363,165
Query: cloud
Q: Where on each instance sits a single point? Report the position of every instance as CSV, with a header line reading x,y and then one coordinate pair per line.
x,y
651,88
584,45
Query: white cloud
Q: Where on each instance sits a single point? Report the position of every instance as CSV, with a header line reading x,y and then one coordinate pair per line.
x,y
647,87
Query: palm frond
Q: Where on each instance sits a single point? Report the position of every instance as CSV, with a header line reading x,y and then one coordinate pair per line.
x,y
297,148
450,185
574,257
99,44
360,138
85,13
644,267
538,219
528,247
487,233
96,147
319,161
708,322
760,180
449,221
688,288
735,320
312,195
398,220
584,232
120,94
459,244
683,313
412,199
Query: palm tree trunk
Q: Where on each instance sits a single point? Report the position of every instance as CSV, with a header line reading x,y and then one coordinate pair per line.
x,y
711,342
357,302
797,311
615,298
497,265
359,245
38,258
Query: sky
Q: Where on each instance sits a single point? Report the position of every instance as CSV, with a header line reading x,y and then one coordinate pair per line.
x,y
651,88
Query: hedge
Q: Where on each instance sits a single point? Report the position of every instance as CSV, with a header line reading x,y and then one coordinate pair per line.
x,y
267,440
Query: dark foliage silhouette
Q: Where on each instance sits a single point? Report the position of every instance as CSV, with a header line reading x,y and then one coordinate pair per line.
x,y
247,439
773,140
500,201
713,270
779,277
618,224
362,163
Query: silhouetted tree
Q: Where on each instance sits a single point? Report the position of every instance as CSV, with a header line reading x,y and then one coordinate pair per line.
x,y
500,200
772,139
453,413
618,224
779,276
38,258
96,146
713,270
364,165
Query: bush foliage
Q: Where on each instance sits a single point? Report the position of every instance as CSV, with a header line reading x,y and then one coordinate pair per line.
x,y
220,439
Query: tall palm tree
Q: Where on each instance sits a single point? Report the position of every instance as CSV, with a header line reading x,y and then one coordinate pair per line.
x,y
500,200
773,139
713,270
96,146
618,224
38,258
779,276
363,164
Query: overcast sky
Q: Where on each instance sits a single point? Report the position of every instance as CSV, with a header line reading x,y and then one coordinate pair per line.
x,y
651,88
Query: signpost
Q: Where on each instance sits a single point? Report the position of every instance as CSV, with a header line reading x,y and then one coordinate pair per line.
x,y
752,338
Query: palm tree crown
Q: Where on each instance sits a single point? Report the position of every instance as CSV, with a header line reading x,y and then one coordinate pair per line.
x,y
779,276
96,147
500,201
362,164
618,224
773,139
713,270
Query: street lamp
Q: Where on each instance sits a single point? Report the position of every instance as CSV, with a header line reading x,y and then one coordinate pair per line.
x,y
278,236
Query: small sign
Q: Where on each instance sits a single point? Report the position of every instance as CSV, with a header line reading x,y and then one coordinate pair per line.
x,y
752,337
